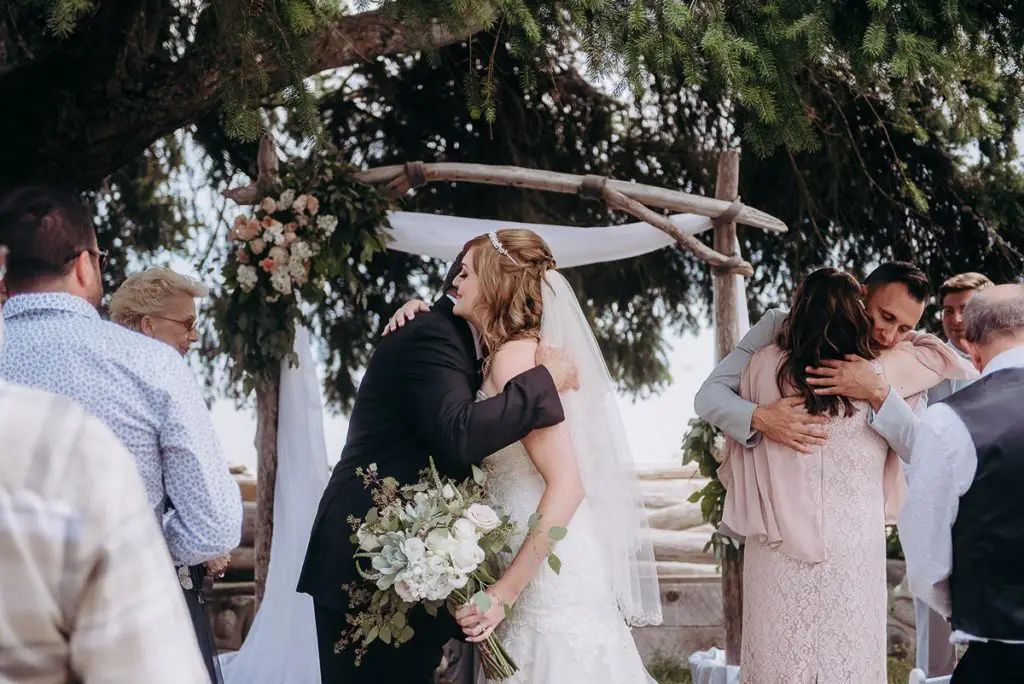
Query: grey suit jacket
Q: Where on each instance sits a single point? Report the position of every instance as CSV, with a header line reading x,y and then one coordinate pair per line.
x,y
718,400
948,387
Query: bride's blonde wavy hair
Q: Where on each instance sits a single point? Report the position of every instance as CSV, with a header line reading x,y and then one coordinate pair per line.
x,y
509,304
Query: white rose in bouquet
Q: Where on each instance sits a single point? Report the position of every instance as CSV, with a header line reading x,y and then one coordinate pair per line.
x,y
440,542
483,517
448,492
718,448
466,556
465,529
368,541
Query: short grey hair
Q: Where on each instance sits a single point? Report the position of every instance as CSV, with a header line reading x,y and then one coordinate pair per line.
x,y
986,316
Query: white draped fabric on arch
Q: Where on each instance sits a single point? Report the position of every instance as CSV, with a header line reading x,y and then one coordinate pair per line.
x,y
281,646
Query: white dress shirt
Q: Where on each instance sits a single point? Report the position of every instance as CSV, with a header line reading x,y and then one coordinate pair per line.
x,y
147,395
943,464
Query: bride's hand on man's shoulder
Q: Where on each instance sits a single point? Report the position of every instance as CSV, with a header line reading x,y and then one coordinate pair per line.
x,y
406,313
561,366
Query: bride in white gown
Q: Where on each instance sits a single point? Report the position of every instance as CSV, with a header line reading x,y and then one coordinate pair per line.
x,y
565,628
572,625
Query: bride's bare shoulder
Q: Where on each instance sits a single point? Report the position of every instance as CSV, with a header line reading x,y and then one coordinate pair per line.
x,y
514,357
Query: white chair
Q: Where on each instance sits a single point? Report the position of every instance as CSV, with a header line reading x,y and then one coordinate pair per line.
x,y
918,676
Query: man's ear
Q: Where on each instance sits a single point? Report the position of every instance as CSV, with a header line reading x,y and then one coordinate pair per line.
x,y
972,349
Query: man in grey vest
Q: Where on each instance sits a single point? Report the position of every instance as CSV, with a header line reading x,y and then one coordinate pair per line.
x,y
963,523
936,656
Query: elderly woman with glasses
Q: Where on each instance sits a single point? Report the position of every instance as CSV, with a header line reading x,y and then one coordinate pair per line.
x,y
161,304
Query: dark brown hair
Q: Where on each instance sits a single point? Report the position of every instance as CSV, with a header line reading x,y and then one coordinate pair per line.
x,y
44,229
903,272
827,321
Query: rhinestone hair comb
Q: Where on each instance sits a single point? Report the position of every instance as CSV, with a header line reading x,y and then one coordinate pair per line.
x,y
500,248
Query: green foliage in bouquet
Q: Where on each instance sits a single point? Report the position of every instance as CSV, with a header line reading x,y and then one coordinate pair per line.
x,y
434,543
291,261
704,445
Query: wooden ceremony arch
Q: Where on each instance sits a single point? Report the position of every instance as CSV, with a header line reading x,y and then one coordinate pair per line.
x,y
725,210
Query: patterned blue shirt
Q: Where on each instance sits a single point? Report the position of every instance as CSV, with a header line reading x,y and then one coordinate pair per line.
x,y
146,393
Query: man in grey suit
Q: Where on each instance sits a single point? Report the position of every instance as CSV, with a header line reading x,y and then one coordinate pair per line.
x,y
894,297
936,656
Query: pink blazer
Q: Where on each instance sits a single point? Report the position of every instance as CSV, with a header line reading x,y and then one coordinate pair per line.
x,y
768,488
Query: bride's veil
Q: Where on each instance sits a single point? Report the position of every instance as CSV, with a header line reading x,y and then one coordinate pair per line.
x,y
606,465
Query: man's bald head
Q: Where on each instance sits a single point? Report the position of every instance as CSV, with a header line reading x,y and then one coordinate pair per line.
x,y
994,322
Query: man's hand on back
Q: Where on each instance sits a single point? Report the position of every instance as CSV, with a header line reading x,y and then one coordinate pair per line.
x,y
784,423
560,365
854,378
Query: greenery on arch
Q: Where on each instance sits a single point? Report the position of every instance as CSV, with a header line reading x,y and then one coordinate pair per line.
x,y
292,260
705,445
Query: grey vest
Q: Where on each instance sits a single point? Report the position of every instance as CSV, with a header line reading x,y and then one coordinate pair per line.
x,y
987,583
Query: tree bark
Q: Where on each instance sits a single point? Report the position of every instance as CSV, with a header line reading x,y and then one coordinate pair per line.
x,y
727,288
72,121
267,396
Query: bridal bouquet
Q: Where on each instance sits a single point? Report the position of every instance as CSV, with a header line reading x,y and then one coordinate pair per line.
x,y
432,543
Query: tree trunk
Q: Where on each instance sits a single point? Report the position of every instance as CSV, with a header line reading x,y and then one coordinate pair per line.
x,y
267,396
728,287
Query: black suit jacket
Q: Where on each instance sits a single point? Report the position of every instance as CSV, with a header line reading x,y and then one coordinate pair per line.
x,y
417,400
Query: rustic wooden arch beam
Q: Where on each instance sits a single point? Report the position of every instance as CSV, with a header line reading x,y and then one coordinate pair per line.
x,y
633,198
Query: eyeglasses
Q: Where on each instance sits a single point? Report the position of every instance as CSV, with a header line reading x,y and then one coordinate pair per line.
x,y
190,324
101,254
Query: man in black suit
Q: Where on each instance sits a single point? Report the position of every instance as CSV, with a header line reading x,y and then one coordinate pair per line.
x,y
416,401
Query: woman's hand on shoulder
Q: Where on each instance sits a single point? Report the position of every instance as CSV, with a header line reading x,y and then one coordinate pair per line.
x,y
406,313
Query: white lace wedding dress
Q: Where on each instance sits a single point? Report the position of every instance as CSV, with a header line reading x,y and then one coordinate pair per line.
x,y
565,628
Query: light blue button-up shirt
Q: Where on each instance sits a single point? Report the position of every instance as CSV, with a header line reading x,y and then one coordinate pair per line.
x,y
146,393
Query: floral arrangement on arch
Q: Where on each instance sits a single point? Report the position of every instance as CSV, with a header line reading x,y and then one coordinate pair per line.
x,y
705,445
279,243
300,254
